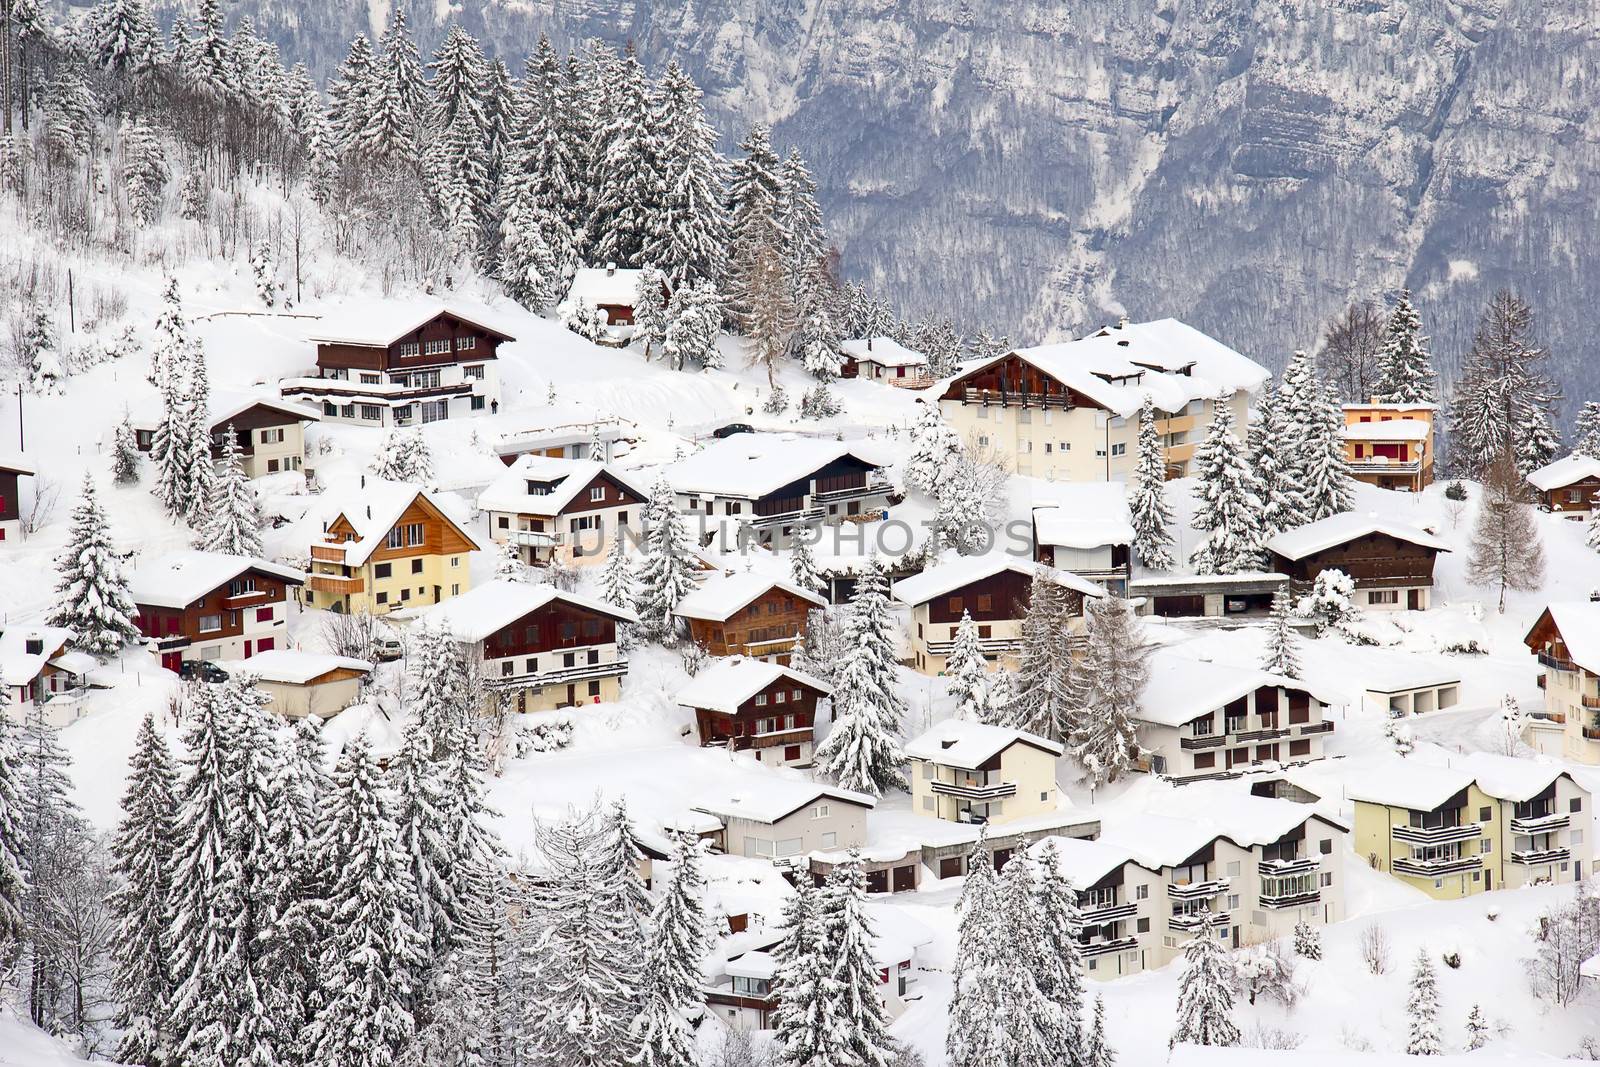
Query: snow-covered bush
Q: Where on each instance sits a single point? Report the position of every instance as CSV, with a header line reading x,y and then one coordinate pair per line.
x,y
777,401
544,735
1267,970
1455,491
1375,948
1400,737
695,659
1329,603
818,403
584,319
1307,941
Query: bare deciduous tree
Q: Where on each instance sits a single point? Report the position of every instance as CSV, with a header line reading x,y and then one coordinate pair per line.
x,y
1505,551
1349,354
1375,949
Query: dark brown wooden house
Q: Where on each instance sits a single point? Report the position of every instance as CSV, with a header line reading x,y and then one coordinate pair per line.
x,y
12,467
212,606
1571,484
562,508
755,705
748,615
1390,562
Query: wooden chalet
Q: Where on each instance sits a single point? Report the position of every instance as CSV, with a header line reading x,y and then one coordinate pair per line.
x,y
1569,486
212,606
1391,562
748,615
561,508
38,665
752,705
883,359
270,432
12,468
612,289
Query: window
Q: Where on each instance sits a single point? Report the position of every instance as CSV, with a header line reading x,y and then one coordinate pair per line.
x,y
780,696
1205,761
1233,900
831,839
372,379
954,604
263,615
406,348
405,594
1141,892
597,494
437,347
414,533
1143,926
1325,846
1576,804
209,623
506,667
820,811
348,411
1044,795
1326,880
371,412
476,403
272,436
791,846
1487,846
531,665
435,410
761,700
594,688
1120,449
1383,596
1485,814
383,598
466,344
396,538
985,602
474,372
382,570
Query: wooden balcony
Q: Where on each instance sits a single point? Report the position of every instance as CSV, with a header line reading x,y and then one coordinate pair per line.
x,y
1540,824
777,738
1006,398
1197,890
1204,741
334,584
328,553
1556,663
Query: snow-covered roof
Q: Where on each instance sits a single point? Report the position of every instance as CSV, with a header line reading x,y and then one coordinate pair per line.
x,y
1388,430
1343,528
381,323
1564,471
969,745
962,571
1512,777
770,800
1170,361
1388,672
1407,784
1083,862
509,492
74,662
749,465
1251,820
1084,515
492,606
728,682
179,578
374,509
293,667
1590,968
1579,624
722,595
18,666
604,285
1157,841
885,351
896,935
15,463
1181,688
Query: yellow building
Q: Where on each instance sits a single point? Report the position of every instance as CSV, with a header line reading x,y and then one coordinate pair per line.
x,y
971,772
1566,638
1390,445
1489,822
391,547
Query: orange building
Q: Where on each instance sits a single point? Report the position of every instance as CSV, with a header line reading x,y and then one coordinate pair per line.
x,y
1390,445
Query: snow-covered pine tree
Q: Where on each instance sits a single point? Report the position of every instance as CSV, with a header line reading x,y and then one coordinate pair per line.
x,y
1327,486
935,449
458,73
1033,1032
1586,430
616,577
803,567
208,64
671,982
817,337
1477,1029
540,199
1275,456
1057,959
13,832
1147,496
800,978
143,848
144,169
403,457
350,96
962,511
92,598
650,308
1505,550
974,1036
441,685
373,948
1281,653
618,858
769,316
232,519
863,750
1097,1050
629,189
1400,737
1591,536
124,40
1422,1010
460,181
1307,941
665,576
756,269
1505,396
125,455
860,1034
40,352
429,854
965,666
70,110
800,221
1405,370
508,565
1206,993
690,241
1046,700
397,95
1115,666
1228,501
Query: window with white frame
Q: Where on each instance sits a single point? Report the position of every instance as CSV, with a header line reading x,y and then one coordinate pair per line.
x,y
820,811
597,494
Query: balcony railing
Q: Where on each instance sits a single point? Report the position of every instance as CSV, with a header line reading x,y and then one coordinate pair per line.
x,y
1298,865
246,599
375,392
1323,727
1383,465
1197,890
854,492
334,584
989,646
1591,733
1589,701
329,553
1007,398
1197,920
1434,868
1291,900
1094,916
1204,741
1540,855
1540,824
582,672
974,792
1437,835
786,518
1265,733
1556,663
1106,948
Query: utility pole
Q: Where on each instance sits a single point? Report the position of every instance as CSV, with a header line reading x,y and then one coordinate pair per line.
x,y
22,446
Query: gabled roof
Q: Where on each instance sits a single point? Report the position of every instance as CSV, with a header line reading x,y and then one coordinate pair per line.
x,y
179,578
882,350
509,492
488,608
727,683
1340,529
373,510
1578,623
969,745
1564,471
15,463
604,285
773,799
962,571
225,404
1118,366
1388,430
722,596
1512,777
749,465
1084,515
1083,862
1166,840
18,666
1181,688
1407,784
380,323
293,667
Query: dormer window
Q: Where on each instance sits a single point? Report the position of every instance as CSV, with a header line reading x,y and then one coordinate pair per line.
x,y
34,646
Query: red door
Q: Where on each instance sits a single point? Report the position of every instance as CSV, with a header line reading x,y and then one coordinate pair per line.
x,y
266,644
172,661
249,650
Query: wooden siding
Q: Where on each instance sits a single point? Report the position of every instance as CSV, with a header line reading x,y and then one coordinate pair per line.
x,y
440,536
616,495
999,597
773,616
252,418
1373,561
443,326
10,506
168,623
554,627
1013,374
716,728
1556,499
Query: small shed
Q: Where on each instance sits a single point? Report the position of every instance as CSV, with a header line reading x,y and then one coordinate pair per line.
x,y
612,289
1405,685
305,683
884,359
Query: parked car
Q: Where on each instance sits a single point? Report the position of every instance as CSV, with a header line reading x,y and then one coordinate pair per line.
x,y
387,646
733,428
202,670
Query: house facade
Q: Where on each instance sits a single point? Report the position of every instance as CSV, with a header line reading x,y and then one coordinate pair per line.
x,y
1391,562
539,647
612,289
299,684
1390,445
561,509
994,590
1087,530
883,359
12,468
270,432
784,820
750,705
1570,486
1566,640
972,772
391,547
38,666
196,605
1069,411
402,364
748,614
1200,719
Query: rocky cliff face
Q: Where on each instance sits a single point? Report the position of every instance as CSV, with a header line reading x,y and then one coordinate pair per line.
x,y
1043,165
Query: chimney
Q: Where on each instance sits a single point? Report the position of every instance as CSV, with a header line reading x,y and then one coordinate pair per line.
x,y
1122,323
869,344
611,268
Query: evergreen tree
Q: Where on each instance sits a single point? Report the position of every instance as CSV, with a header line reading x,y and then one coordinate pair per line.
x,y
616,577
1228,501
441,686
1096,1051
935,449
1307,941
976,1033
125,41
1505,550
757,275
92,598
671,983
541,199
965,666
1327,487
1115,667
207,61
1281,654
41,356
1505,396
1147,496
459,72
460,181
694,317
1276,458
799,219
1422,1010
404,457
801,981
143,849
689,243
1206,993
817,337
373,949
1477,1029
350,96
144,171
1046,700
1056,956
1405,371
397,95
860,1034
650,308
232,518
420,822
13,838
863,749
508,566
628,189
1586,430
803,567
666,574
69,114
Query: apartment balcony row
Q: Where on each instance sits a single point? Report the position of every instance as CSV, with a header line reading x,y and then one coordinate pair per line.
x,y
974,790
1197,890
583,672
1235,736
1437,835
1540,824
1007,398
787,518
1540,856
873,487
1280,868
989,646
1106,913
1589,701
1307,729
1188,921
1106,948
1291,900
378,393
1422,868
